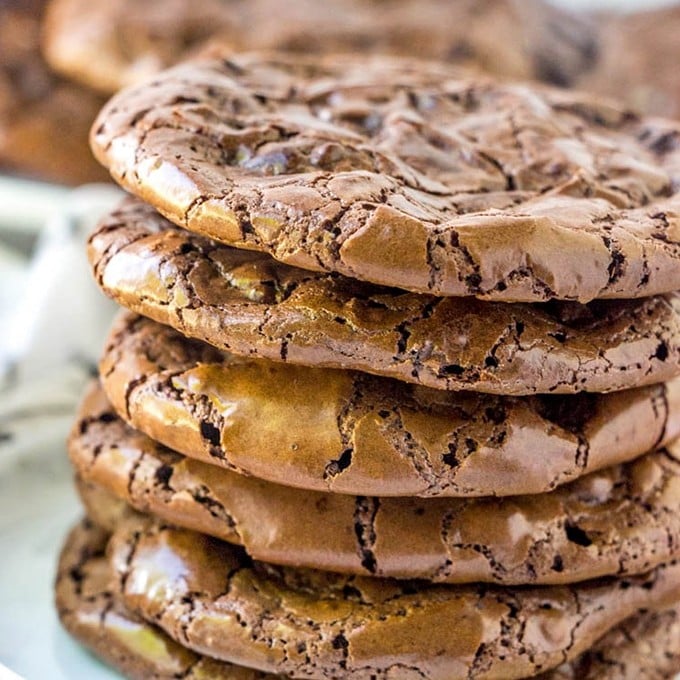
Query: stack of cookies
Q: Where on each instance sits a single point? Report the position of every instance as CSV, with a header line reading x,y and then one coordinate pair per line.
x,y
396,389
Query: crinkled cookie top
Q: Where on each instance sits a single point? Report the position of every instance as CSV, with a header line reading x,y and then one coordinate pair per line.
x,y
406,173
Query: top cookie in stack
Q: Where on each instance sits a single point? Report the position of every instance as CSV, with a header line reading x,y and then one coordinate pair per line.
x,y
410,221
406,174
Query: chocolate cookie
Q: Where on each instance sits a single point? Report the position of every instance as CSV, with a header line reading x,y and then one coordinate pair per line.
x,y
102,506
91,612
44,121
622,520
310,624
645,646
107,45
403,173
355,433
249,304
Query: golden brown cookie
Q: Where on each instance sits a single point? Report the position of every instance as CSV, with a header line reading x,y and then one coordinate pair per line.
x,y
249,304
407,174
622,520
354,433
645,646
44,120
92,613
314,624
109,44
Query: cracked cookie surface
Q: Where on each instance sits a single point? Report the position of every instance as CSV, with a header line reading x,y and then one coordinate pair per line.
x,y
645,646
313,624
250,304
354,433
406,174
108,45
91,612
622,520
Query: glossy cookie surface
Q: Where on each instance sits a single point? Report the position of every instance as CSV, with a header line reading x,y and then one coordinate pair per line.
x,y
406,174
351,432
313,624
622,520
645,646
90,610
251,305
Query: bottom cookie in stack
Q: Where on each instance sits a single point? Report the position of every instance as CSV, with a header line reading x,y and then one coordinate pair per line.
x,y
116,594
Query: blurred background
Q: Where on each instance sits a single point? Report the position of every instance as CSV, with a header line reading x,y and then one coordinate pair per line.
x,y
59,62
613,5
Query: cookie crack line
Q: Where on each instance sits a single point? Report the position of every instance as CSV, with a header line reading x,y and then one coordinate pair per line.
x,y
365,513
